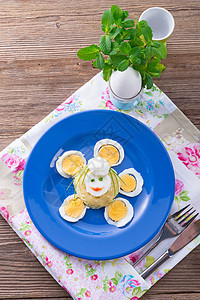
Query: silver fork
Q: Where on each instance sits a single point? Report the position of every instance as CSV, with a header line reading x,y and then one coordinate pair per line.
x,y
174,226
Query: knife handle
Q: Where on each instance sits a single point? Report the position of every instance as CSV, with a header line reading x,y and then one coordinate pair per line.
x,y
156,264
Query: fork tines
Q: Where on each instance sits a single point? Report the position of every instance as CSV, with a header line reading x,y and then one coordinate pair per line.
x,y
182,218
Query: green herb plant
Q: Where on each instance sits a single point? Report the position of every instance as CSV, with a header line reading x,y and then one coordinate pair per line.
x,y
125,44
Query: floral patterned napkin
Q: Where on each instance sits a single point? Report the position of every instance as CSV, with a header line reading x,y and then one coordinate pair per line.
x,y
114,279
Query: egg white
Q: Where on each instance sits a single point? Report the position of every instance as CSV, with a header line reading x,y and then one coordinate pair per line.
x,y
126,219
105,142
98,166
63,156
66,217
139,182
105,184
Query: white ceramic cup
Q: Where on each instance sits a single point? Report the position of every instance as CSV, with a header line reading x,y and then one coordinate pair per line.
x,y
161,22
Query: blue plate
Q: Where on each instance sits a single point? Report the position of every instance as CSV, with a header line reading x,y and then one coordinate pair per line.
x,y
92,237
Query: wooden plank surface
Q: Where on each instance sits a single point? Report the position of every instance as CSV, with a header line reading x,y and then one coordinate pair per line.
x,y
39,69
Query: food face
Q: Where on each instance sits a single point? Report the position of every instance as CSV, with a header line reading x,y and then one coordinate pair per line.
x,y
131,182
89,190
119,212
110,150
97,185
70,163
72,209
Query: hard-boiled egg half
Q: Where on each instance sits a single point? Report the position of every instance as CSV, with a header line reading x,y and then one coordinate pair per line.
x,y
110,150
70,163
131,182
72,209
119,212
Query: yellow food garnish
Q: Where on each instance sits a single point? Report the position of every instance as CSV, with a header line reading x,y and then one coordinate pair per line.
x,y
72,164
129,183
74,208
117,210
109,153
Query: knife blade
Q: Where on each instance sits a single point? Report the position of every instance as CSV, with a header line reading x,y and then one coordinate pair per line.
x,y
185,238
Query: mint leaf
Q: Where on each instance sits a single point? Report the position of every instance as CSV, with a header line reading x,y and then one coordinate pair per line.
x,y
149,83
116,13
114,32
123,65
134,53
115,60
88,53
130,33
107,20
100,61
125,14
114,48
148,51
105,44
125,47
94,64
137,41
107,71
128,23
159,50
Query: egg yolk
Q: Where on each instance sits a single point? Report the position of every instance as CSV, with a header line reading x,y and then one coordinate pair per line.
x,y
72,164
74,208
109,153
129,183
117,210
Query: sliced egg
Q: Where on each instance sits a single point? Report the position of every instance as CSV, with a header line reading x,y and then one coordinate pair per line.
x,y
72,209
110,150
98,166
131,182
119,212
70,163
97,185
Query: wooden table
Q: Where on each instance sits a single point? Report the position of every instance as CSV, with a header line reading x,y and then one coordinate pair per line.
x,y
39,69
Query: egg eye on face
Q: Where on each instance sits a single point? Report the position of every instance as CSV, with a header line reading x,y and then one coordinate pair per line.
x,y
93,180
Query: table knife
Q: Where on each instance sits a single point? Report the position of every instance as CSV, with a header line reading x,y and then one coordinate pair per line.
x,y
186,237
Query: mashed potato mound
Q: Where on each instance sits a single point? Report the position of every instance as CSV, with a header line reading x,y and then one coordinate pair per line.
x,y
92,201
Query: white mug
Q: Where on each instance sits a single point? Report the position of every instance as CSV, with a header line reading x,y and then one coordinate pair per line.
x,y
161,22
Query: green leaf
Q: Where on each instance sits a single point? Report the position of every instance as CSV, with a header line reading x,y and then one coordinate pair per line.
x,y
184,198
184,193
114,280
116,13
100,61
134,53
103,27
105,44
148,81
128,23
137,41
94,64
107,71
107,20
114,32
125,48
159,50
130,33
149,261
123,65
88,53
148,51
144,29
125,14
114,48
118,275
115,60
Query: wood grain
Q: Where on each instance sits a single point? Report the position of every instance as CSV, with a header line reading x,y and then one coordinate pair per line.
x,y
39,69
